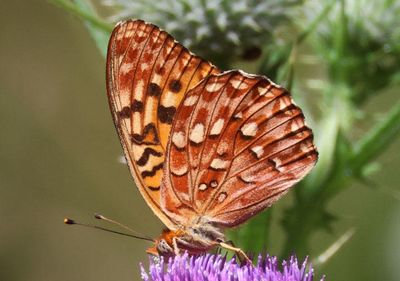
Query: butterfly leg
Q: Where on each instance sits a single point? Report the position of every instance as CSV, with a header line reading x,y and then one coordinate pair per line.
x,y
230,242
239,252
175,246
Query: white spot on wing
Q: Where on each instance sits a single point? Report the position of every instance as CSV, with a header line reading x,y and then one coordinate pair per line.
x,y
305,148
191,100
214,87
214,184
125,92
245,179
138,91
238,85
294,126
168,99
203,186
197,134
128,33
266,91
262,91
120,35
221,197
248,178
179,171
277,162
136,124
249,129
149,109
156,79
178,139
219,164
144,66
222,148
217,127
141,33
126,67
239,115
282,104
184,196
258,151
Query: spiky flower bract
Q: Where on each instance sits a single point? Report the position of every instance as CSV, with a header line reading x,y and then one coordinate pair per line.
x,y
219,30
211,267
361,40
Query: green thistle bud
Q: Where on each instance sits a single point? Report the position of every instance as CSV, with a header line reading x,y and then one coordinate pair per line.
x,y
361,39
219,30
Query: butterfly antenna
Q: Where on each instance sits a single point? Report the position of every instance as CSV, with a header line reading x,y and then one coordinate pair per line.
x,y
71,222
101,217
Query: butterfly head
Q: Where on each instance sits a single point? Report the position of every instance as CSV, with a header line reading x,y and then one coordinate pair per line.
x,y
196,238
164,245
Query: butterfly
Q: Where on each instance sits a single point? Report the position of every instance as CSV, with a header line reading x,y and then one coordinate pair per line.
x,y
207,149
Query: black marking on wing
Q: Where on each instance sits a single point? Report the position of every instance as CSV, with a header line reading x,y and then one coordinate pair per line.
x,y
154,90
153,171
138,139
124,113
175,85
146,154
166,114
155,188
137,106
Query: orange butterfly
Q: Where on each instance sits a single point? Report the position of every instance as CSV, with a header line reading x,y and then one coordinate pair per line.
x,y
207,149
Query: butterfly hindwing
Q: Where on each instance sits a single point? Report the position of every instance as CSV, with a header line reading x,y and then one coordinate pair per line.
x,y
148,74
238,142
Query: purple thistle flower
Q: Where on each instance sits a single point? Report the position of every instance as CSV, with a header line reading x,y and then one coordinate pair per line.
x,y
212,267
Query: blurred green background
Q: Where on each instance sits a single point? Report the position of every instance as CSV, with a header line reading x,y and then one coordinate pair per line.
x,y
59,157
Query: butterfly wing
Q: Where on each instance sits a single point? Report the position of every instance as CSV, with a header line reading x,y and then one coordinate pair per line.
x,y
238,142
148,74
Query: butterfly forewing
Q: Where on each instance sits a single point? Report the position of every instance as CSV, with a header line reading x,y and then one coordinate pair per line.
x,y
148,74
237,144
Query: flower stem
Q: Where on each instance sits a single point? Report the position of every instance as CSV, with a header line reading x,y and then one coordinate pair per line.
x,y
76,10
308,215
377,139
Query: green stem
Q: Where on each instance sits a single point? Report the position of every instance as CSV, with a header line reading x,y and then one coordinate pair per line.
x,y
300,222
341,31
308,214
254,235
76,10
376,140
340,39
314,24
286,70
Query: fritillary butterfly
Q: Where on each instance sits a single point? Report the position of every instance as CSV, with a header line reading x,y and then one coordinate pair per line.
x,y
207,149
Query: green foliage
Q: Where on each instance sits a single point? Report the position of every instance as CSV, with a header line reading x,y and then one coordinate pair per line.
x,y
357,41
218,30
98,29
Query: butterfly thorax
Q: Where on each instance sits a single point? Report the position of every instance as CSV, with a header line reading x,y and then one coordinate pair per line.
x,y
195,239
